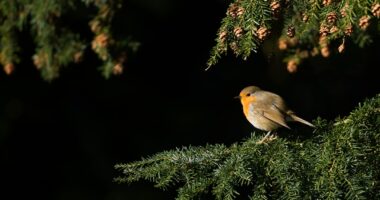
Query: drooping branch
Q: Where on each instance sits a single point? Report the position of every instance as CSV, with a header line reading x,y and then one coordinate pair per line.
x,y
57,43
302,29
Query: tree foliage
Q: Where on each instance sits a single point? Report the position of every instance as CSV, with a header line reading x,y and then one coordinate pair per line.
x,y
338,161
302,29
58,43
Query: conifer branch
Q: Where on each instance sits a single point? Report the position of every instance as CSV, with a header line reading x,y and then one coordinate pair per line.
x,y
308,28
58,44
339,161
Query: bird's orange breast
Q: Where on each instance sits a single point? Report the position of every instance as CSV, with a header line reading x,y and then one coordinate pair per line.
x,y
246,101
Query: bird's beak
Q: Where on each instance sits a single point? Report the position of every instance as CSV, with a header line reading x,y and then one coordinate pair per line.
x,y
237,97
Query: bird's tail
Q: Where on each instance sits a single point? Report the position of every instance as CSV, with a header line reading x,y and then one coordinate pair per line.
x,y
298,119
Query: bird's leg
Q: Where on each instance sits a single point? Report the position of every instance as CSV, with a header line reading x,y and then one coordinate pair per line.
x,y
264,138
267,138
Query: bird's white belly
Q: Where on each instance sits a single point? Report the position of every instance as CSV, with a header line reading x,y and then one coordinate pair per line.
x,y
262,123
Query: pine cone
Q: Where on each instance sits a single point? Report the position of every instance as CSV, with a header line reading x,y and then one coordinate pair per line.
x,y
364,22
100,40
9,68
331,17
314,52
324,30
238,31
292,66
95,26
326,2
117,69
375,9
343,11
240,11
234,47
291,31
232,10
305,17
349,29
275,6
334,29
325,51
282,44
262,33
223,36
39,60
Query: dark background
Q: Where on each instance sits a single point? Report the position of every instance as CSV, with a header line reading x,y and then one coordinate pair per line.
x,y
60,140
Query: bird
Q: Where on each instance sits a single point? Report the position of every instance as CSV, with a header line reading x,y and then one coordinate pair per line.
x,y
267,111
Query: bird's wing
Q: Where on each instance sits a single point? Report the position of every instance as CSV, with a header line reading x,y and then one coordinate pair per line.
x,y
271,113
289,115
276,116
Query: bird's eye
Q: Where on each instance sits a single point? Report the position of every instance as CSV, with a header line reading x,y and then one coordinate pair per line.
x,y
249,94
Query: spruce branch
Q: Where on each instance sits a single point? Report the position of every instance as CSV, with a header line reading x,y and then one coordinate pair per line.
x,y
56,43
339,161
8,41
307,28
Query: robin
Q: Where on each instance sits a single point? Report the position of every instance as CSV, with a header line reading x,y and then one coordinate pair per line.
x,y
267,111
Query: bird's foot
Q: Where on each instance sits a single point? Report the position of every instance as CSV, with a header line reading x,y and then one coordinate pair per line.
x,y
266,139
